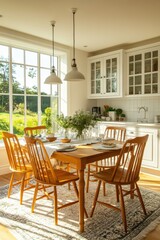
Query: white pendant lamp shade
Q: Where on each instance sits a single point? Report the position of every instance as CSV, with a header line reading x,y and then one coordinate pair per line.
x,y
74,74
53,78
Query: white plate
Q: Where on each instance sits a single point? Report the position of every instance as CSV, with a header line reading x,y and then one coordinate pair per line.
x,y
101,147
66,149
109,146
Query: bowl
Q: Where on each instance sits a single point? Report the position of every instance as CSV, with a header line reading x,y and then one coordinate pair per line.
x,y
65,140
51,139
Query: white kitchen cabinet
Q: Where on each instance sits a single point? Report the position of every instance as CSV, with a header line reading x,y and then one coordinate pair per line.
x,y
150,157
105,75
143,67
151,153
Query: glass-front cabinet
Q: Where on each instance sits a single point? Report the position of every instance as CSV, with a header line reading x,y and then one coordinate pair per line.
x,y
96,74
105,75
143,76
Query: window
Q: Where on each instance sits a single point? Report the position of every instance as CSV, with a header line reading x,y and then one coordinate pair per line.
x,y
24,98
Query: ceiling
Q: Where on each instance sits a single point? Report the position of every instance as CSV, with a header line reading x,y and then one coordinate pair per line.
x,y
99,24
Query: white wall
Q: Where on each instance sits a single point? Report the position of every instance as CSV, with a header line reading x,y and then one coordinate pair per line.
x,y
4,164
77,91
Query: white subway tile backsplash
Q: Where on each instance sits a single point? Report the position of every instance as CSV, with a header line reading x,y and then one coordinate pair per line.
x,y
130,106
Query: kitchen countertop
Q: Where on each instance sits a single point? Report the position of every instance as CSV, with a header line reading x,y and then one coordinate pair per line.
x,y
132,124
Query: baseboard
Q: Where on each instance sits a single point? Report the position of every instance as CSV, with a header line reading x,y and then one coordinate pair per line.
x,y
4,169
151,171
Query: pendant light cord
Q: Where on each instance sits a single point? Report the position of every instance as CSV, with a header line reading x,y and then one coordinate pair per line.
x,y
74,34
74,60
53,41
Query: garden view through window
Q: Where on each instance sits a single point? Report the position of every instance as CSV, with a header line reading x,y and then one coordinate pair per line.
x,y
24,98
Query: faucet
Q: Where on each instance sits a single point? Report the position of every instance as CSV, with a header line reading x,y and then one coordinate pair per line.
x,y
145,109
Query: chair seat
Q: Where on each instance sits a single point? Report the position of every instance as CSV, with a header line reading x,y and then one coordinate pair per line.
x,y
107,176
65,176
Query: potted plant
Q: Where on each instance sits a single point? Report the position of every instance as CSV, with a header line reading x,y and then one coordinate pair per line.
x,y
119,112
122,117
105,112
112,113
65,123
81,121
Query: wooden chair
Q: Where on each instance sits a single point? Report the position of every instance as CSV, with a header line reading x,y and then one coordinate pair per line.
x,y
34,131
46,175
119,134
19,163
38,131
126,172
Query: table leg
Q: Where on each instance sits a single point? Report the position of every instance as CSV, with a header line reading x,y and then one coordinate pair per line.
x,y
81,200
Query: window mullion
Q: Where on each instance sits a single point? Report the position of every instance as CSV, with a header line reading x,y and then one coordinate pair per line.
x,y
10,91
39,90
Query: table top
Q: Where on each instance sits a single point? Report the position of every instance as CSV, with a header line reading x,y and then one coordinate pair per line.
x,y
85,154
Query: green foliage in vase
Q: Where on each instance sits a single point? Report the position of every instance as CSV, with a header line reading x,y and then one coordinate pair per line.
x,y
82,120
64,121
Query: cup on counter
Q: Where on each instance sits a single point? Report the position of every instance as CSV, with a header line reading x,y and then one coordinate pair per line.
x,y
108,119
157,119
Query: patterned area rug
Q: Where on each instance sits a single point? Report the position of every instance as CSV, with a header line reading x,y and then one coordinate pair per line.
x,y
105,223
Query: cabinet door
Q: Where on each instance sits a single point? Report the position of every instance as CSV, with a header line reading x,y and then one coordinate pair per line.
x,y
151,72
111,75
105,75
95,76
135,74
150,157
143,76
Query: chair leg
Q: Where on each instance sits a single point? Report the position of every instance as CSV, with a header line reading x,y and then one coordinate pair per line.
x,y
132,191
22,187
123,212
55,206
69,186
141,199
77,194
10,185
117,193
34,197
104,189
95,198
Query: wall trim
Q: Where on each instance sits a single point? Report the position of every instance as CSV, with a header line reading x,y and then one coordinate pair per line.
x,y
4,169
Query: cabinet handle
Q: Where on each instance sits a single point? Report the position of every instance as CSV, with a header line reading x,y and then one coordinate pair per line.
x,y
131,132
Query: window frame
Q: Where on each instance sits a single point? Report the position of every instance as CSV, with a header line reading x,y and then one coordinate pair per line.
x,y
39,95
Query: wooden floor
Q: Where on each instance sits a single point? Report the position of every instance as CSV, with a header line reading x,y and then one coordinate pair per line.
x,y
148,181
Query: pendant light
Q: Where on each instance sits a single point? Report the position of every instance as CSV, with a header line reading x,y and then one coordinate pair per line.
x,y
53,78
74,74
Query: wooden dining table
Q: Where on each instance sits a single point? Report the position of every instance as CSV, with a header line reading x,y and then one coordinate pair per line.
x,y
82,156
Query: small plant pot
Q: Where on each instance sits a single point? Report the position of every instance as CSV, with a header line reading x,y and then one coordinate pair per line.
x,y
112,115
122,119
